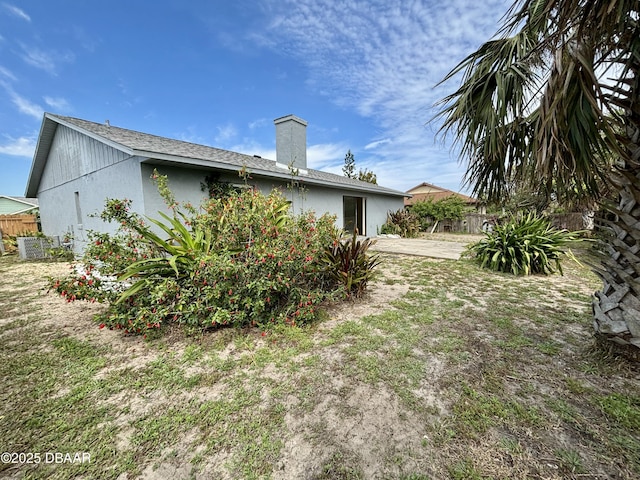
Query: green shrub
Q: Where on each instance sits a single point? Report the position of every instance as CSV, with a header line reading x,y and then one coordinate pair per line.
x,y
350,265
524,245
401,222
240,260
429,211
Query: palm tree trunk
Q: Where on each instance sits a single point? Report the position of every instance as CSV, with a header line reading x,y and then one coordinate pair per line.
x,y
617,307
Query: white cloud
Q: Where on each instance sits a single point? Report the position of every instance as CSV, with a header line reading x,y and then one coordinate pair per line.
x,y
122,85
24,105
20,147
58,103
259,123
27,107
7,74
191,136
383,58
47,61
264,152
252,147
324,156
18,12
88,41
39,59
225,133
376,144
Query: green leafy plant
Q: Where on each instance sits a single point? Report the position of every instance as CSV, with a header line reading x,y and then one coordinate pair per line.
x,y
401,222
60,254
239,260
216,187
350,264
429,211
524,245
179,253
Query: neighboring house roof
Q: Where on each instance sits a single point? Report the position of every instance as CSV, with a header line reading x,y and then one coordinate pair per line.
x,y
166,150
16,205
427,191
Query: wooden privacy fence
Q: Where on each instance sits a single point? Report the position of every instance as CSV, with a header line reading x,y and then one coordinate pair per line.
x,y
15,224
472,222
570,221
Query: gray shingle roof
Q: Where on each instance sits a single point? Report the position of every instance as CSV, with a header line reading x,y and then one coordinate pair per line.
x,y
145,144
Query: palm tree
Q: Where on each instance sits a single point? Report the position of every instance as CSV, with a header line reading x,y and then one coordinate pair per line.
x,y
554,100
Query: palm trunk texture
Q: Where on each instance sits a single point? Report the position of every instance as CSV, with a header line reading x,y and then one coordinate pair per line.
x,y
617,307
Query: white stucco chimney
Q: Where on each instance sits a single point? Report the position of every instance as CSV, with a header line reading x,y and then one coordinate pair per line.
x,y
291,141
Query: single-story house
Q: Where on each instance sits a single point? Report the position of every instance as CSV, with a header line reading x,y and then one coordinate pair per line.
x,y
428,192
17,205
78,164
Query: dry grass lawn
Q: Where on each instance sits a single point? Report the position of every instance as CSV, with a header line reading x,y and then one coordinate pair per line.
x,y
443,371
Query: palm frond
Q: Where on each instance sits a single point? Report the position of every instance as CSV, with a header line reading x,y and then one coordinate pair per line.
x,y
532,106
574,130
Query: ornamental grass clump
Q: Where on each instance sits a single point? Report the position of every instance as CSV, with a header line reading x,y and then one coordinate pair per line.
x,y
524,245
239,260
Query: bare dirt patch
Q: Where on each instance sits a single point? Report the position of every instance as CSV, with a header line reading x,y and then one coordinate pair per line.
x,y
389,285
75,319
365,424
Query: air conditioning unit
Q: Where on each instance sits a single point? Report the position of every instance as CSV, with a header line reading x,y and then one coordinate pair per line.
x,y
34,248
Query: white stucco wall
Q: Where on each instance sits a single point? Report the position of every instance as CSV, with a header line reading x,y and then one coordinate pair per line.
x,y
58,211
185,185
322,200
113,175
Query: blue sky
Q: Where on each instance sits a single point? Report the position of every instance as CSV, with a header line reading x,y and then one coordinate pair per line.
x,y
363,73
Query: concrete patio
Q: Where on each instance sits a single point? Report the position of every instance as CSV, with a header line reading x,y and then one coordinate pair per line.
x,y
419,247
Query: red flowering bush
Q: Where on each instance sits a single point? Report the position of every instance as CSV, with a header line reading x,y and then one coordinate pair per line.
x,y
240,260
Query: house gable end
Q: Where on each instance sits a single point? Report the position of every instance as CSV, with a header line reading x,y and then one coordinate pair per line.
x,y
73,154
48,134
426,188
428,192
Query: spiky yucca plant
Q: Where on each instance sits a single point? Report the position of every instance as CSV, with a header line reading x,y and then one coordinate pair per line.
x,y
524,245
180,251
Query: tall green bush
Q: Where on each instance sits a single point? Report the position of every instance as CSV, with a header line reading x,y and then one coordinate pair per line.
x,y
239,260
430,211
524,245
